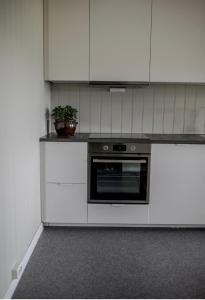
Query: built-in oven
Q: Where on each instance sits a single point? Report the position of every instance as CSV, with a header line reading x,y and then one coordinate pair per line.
x,y
118,173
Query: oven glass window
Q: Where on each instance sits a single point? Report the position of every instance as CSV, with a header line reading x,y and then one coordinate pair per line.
x,y
118,177
114,179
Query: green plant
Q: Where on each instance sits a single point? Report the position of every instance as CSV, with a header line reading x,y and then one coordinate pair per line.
x,y
70,113
58,113
64,113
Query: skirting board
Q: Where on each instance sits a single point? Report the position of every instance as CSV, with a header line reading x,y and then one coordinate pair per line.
x,y
124,225
24,262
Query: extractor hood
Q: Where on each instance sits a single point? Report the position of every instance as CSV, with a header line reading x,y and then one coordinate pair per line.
x,y
119,84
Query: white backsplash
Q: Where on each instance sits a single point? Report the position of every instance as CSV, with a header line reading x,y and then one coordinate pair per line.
x,y
155,109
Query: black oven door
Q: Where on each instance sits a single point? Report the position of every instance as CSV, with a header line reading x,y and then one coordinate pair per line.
x,y
119,179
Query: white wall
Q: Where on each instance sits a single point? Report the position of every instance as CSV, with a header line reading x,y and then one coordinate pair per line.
x,y
23,98
156,109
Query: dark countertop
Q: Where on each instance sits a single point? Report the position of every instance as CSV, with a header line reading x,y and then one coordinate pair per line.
x,y
138,138
176,138
78,137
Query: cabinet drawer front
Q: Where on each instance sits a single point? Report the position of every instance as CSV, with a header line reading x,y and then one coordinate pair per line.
x,y
66,162
117,214
65,203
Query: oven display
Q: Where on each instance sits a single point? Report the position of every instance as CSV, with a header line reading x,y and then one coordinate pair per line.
x,y
119,148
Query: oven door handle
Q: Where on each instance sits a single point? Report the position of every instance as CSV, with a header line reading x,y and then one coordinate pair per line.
x,y
124,161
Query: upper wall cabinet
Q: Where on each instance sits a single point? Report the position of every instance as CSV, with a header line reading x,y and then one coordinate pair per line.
x,y
67,40
120,40
178,41
109,40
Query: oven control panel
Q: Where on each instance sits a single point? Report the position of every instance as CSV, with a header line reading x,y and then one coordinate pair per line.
x,y
133,148
105,147
119,148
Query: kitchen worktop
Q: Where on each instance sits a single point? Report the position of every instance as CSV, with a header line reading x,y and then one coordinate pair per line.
x,y
126,137
176,138
79,137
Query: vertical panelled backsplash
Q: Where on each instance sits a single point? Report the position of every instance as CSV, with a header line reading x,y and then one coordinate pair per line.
x,y
154,109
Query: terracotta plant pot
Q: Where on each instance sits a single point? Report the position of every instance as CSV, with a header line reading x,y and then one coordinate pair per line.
x,y
59,127
70,127
66,128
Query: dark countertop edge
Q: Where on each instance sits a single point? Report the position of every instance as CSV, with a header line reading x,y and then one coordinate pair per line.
x,y
79,137
84,137
197,142
150,141
63,140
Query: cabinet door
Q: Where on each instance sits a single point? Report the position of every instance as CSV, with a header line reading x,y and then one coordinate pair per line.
x,y
120,40
117,214
67,40
177,187
178,42
66,162
65,203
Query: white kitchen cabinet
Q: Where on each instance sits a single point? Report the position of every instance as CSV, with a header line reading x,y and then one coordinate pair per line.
x,y
65,203
120,40
177,186
66,162
177,41
64,182
117,214
66,40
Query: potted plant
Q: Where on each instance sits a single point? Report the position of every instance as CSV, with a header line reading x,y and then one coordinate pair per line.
x,y
65,120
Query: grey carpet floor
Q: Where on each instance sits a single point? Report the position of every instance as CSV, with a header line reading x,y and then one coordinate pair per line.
x,y
116,263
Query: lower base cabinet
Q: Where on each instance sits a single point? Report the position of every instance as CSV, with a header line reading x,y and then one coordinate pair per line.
x,y
177,190
177,185
65,203
117,214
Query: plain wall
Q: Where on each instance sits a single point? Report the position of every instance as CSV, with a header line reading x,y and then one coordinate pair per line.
x,y
23,99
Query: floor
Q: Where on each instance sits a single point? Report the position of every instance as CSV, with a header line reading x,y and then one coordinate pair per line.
x,y
116,263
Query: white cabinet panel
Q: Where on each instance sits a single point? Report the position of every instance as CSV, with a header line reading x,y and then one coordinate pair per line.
x,y
178,43
67,40
117,214
177,188
120,40
66,162
65,203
